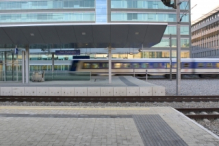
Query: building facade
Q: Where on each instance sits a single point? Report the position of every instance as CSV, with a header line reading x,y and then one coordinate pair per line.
x,y
14,12
205,36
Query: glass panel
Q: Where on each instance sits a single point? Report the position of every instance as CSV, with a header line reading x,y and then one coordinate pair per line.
x,y
47,4
101,11
86,65
47,17
95,65
172,30
144,65
105,65
217,65
168,65
160,17
186,65
117,65
144,4
200,65
136,65
165,43
127,65
209,65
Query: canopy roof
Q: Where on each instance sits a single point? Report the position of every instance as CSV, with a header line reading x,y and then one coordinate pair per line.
x,y
113,35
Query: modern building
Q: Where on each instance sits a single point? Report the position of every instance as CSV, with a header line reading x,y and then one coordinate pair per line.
x,y
205,36
18,12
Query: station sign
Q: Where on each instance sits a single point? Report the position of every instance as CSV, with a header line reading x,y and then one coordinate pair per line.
x,y
67,52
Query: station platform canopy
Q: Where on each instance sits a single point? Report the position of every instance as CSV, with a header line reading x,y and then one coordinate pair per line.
x,y
114,35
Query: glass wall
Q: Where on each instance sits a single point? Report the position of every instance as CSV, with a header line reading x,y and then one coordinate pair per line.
x,y
165,43
144,4
101,11
157,17
47,17
164,54
172,30
46,4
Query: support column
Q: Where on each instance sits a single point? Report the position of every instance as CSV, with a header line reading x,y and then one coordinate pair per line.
x,y
178,80
5,65
12,66
23,67
27,64
52,62
109,64
170,57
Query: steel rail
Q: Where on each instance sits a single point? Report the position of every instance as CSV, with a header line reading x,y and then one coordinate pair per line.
x,y
109,98
209,116
199,114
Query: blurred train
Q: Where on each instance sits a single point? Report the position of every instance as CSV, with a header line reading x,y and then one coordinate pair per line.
x,y
202,66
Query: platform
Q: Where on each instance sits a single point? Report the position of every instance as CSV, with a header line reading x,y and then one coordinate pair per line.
x,y
97,86
100,126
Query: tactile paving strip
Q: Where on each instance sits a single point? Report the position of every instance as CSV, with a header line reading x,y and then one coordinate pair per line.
x,y
127,82
155,131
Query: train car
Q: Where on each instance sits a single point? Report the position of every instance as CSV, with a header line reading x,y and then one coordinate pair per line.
x,y
203,67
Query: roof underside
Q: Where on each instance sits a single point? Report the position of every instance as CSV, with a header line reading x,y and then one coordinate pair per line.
x,y
85,35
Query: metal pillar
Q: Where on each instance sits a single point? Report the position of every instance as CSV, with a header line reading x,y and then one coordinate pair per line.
x,y
27,64
12,66
170,57
178,80
109,57
5,65
17,66
23,67
52,62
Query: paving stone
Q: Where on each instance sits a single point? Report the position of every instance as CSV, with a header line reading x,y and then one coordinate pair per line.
x,y
98,126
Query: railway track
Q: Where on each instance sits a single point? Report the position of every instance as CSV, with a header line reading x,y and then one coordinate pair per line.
x,y
200,113
109,98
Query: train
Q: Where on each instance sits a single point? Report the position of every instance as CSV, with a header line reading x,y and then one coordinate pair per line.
x,y
204,67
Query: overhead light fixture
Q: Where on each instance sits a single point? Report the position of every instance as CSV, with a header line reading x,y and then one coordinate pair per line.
x,y
136,33
83,33
31,34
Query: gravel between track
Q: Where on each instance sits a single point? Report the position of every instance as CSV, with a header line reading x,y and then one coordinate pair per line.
x,y
190,87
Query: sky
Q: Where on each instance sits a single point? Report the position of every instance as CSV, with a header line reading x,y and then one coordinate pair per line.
x,y
203,7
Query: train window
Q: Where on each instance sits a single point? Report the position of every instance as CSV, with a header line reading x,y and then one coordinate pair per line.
x,y
49,67
56,67
126,65
66,67
168,65
33,67
86,65
117,65
200,65
44,67
186,65
209,65
174,65
136,65
157,65
105,65
145,65
95,65
217,65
